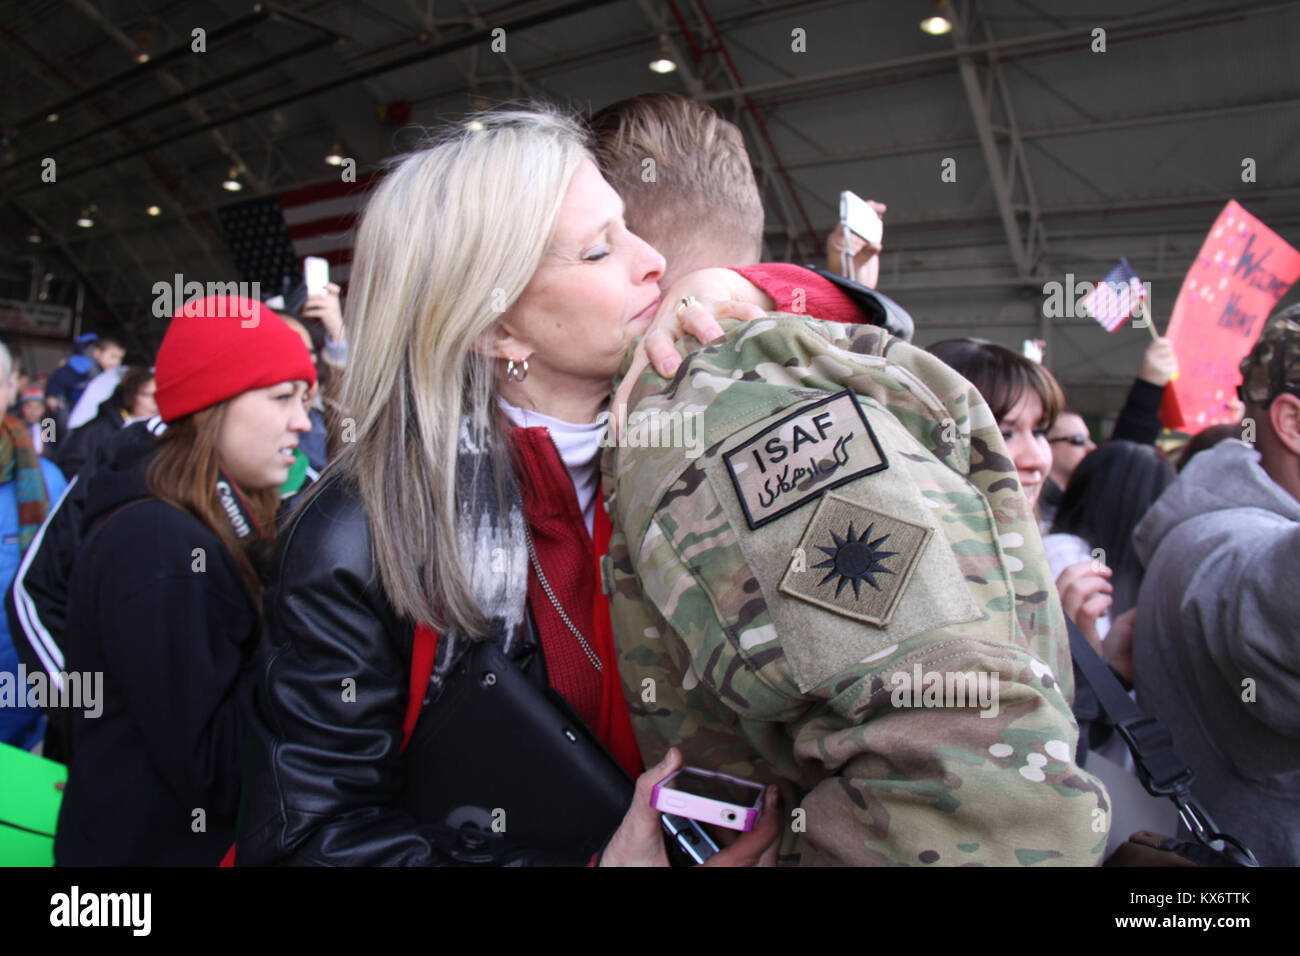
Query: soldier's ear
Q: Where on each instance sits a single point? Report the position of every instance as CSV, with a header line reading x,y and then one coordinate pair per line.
x,y
1284,415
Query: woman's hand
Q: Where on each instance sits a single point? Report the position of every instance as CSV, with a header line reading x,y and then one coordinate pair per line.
x,y
866,261
639,839
718,294
1085,596
325,307
1119,644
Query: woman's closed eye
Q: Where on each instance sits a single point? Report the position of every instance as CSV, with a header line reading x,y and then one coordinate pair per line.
x,y
595,255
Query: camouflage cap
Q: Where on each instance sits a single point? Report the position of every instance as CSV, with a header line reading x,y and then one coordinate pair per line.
x,y
1273,365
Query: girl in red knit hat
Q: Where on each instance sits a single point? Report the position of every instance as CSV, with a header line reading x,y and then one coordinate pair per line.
x,y
165,596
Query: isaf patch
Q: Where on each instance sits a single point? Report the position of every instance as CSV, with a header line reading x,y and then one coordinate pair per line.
x,y
867,560
808,452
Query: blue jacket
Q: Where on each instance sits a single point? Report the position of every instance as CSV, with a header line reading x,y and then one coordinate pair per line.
x,y
20,726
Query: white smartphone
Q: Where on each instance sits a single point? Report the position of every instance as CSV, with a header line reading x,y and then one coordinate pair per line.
x,y
860,218
710,797
316,273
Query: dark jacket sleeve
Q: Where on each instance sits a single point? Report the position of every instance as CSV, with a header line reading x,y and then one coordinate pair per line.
x,y
323,773
177,634
72,453
1139,419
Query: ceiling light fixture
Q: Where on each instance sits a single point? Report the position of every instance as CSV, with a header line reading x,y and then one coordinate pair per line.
x,y
232,183
335,155
664,62
939,21
154,210
84,220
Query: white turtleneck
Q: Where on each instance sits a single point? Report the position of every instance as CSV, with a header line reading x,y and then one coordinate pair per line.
x,y
579,447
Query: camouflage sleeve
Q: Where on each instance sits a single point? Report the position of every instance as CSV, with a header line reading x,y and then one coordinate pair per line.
x,y
973,446
933,729
954,752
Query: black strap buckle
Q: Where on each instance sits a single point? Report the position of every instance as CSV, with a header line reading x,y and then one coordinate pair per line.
x,y
1159,768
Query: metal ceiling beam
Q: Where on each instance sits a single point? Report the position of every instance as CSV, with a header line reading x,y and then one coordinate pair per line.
x,y
981,112
469,39
142,70
92,13
1116,31
1031,135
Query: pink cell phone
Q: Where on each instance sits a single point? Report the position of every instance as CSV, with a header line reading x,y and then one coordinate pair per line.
x,y
710,797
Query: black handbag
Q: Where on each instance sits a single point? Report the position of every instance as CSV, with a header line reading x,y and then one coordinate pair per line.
x,y
506,771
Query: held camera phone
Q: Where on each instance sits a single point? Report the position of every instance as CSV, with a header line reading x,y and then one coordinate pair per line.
x,y
316,273
859,218
688,843
710,797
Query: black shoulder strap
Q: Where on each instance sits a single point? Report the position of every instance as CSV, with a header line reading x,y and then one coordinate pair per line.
x,y
1161,771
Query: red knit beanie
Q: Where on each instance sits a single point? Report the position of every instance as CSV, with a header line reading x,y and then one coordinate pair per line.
x,y
218,347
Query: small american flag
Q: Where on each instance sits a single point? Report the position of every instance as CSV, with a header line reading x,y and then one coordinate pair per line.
x,y
269,237
1116,297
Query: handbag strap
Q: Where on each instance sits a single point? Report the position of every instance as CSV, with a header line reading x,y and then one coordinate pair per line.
x,y
1159,768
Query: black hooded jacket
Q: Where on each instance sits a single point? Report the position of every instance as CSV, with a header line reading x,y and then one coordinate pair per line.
x,y
72,453
156,604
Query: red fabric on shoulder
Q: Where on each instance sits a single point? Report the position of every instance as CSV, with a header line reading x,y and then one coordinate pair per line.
x,y
803,292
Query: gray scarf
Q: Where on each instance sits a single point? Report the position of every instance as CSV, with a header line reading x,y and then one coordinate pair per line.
x,y
496,549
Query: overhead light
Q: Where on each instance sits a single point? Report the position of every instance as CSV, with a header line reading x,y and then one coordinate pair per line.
x,y
335,155
474,126
231,182
664,62
938,22
84,220
154,210
52,118
34,236
142,57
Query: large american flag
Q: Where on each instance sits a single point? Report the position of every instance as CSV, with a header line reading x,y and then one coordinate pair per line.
x,y
269,237
1116,297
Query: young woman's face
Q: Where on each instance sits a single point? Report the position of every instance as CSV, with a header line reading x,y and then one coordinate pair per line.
x,y
1026,437
145,406
595,292
259,433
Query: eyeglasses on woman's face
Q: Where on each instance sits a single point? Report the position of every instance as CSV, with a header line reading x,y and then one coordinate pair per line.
x,y
1080,440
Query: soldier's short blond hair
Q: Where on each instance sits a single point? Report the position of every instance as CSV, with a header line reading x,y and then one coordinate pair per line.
x,y
683,173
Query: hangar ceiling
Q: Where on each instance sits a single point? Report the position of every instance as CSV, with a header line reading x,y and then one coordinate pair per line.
x,y
1061,157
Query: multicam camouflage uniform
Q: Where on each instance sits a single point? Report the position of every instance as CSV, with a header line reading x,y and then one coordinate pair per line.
x,y
825,558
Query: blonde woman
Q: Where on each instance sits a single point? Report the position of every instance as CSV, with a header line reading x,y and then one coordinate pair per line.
x,y
494,291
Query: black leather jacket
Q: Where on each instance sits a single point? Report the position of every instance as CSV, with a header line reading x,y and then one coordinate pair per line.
x,y
323,776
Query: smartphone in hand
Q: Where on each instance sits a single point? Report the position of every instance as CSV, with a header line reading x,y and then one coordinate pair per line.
x,y
710,797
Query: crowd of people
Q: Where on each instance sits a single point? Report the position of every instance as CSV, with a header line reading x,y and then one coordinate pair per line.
x,y
287,542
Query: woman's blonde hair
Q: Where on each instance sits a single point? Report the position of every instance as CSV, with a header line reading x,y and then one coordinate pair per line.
x,y
446,245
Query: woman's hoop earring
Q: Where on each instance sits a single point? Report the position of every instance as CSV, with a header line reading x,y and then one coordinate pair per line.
x,y
517,373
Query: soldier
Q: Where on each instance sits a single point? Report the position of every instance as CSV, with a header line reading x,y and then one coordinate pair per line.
x,y
841,590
